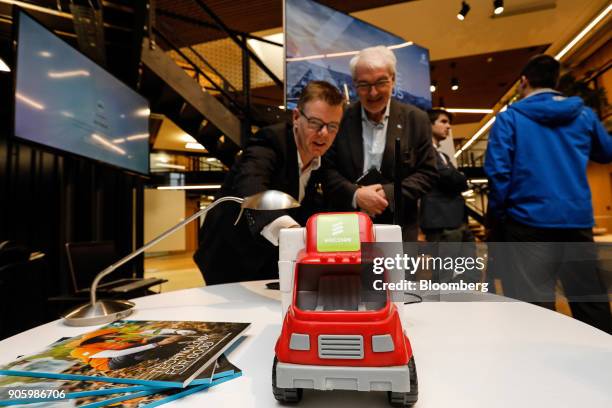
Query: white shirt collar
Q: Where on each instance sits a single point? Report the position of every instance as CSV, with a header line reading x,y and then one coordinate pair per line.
x,y
314,163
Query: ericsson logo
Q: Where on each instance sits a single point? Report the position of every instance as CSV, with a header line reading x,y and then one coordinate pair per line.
x,y
337,228
337,232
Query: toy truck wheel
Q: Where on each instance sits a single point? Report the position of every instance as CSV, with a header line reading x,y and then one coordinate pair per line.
x,y
406,399
285,395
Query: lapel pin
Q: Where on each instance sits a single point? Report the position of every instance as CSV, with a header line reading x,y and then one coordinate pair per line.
x,y
399,126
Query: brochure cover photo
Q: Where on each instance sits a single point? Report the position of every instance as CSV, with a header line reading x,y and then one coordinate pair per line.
x,y
19,389
154,353
58,393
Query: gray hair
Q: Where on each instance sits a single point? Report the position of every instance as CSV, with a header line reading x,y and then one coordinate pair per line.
x,y
374,57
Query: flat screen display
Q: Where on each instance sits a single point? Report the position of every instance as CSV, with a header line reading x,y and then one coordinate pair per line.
x,y
320,42
66,101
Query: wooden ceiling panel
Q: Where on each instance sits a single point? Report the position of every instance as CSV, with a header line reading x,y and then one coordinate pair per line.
x,y
483,79
240,15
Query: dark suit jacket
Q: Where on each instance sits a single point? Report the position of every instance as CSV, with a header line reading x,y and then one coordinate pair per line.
x,y
343,163
229,253
443,206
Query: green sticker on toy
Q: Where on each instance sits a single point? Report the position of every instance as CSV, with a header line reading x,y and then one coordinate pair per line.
x,y
338,233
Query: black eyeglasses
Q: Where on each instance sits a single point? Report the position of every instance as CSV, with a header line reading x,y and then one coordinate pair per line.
x,y
380,85
318,125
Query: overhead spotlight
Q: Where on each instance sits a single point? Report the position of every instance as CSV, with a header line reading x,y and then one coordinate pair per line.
x,y
465,8
454,84
433,86
498,6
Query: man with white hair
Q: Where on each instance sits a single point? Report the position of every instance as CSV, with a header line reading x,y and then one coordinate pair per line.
x,y
359,167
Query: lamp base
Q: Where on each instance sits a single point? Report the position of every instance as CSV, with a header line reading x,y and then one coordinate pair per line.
x,y
103,311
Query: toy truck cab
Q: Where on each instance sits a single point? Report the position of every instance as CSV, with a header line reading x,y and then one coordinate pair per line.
x,y
338,331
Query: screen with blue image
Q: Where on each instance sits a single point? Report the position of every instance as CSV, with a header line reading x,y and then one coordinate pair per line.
x,y
66,101
320,42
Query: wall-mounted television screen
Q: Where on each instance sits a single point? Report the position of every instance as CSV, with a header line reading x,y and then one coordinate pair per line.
x,y
66,101
320,42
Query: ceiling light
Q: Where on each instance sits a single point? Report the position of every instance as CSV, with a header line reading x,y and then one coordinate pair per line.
x,y
469,110
138,136
144,112
454,84
201,187
194,146
465,8
187,138
344,53
170,166
402,45
480,131
433,86
28,101
108,144
558,56
68,74
4,67
498,7
584,32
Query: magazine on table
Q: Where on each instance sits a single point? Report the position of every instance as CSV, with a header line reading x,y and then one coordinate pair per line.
x,y
168,395
145,396
223,368
89,401
16,390
153,353
20,389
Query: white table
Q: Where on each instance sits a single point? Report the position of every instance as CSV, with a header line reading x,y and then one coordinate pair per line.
x,y
468,354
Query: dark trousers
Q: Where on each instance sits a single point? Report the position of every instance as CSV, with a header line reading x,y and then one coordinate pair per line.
x,y
452,242
410,232
460,234
541,256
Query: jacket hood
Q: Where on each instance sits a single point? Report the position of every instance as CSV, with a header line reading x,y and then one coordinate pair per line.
x,y
549,108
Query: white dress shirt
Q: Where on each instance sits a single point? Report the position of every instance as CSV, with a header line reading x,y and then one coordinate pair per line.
x,y
374,137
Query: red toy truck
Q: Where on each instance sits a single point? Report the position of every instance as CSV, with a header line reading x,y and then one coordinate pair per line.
x,y
338,332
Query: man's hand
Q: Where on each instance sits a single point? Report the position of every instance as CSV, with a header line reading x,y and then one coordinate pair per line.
x,y
371,199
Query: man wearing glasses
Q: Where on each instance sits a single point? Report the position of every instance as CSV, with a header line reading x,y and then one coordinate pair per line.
x,y
359,167
282,157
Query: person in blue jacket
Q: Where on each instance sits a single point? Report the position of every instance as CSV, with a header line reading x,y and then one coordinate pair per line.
x,y
536,163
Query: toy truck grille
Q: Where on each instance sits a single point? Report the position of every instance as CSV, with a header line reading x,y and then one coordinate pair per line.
x,y
347,347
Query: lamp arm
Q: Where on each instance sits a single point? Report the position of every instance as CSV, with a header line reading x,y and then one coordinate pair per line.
x,y
154,241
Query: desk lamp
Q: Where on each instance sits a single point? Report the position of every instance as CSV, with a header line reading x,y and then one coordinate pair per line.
x,y
105,311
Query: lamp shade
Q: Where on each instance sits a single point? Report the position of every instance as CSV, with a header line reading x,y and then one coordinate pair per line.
x,y
270,200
